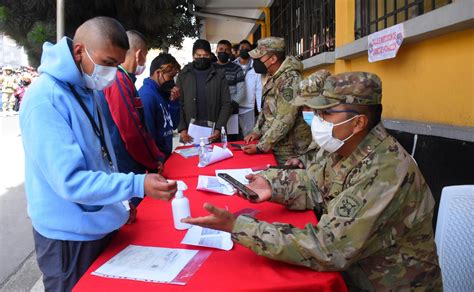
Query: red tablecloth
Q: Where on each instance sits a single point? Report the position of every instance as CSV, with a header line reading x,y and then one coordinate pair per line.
x,y
237,269
178,167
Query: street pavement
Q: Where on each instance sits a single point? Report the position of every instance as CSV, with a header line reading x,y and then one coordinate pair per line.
x,y
18,268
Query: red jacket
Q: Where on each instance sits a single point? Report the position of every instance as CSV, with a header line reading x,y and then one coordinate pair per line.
x,y
126,109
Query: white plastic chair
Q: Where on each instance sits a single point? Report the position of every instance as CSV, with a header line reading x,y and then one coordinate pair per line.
x,y
455,237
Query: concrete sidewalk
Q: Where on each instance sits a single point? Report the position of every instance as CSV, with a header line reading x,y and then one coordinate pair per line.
x,y
18,268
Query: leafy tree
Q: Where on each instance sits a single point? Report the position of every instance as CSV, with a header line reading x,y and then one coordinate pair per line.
x,y
32,22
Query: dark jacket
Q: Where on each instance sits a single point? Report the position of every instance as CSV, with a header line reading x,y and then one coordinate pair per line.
x,y
161,115
217,93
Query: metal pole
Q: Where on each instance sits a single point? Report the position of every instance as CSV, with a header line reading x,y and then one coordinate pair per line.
x,y
59,20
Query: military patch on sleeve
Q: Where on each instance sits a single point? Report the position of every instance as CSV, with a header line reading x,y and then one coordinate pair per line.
x,y
288,94
348,206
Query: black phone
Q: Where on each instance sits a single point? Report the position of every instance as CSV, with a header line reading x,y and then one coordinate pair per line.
x,y
235,145
249,194
283,167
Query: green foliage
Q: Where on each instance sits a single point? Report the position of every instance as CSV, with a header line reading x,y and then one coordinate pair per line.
x,y
31,22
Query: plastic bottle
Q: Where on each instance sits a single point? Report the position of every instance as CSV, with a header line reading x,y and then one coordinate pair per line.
x,y
203,152
223,138
180,206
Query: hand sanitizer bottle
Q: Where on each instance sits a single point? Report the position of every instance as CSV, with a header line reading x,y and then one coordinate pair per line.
x,y
180,206
203,153
223,138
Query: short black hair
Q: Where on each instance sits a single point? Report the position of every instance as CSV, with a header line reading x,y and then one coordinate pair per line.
x,y
225,42
111,30
161,60
245,42
373,113
136,38
201,44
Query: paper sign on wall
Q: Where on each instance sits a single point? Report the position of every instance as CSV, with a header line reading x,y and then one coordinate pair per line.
x,y
384,44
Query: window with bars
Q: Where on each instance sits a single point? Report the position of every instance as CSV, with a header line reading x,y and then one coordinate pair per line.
x,y
375,15
308,26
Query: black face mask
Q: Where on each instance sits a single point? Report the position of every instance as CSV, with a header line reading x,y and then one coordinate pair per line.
x,y
202,63
165,88
259,67
223,57
232,57
244,54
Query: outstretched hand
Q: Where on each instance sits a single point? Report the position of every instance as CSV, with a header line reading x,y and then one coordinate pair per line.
x,y
219,219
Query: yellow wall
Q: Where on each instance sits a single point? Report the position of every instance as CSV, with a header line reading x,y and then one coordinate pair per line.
x,y
430,81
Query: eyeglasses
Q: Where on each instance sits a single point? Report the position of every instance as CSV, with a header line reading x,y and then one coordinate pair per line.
x,y
326,112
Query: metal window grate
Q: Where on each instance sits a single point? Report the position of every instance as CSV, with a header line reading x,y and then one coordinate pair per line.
x,y
308,26
375,15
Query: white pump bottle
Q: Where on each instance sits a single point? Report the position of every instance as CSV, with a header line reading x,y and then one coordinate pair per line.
x,y
180,206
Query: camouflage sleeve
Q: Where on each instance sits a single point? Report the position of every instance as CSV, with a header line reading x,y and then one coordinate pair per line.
x,y
291,188
353,223
258,125
285,116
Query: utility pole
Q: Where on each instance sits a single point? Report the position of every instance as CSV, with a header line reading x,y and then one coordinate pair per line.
x,y
59,20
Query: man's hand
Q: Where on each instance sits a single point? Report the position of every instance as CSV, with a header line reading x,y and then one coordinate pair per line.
x,y
251,137
133,214
250,149
259,185
175,93
295,162
214,137
185,137
159,188
159,168
219,219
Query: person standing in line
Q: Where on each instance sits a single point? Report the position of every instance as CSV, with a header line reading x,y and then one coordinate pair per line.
x,y
253,92
205,94
76,198
160,97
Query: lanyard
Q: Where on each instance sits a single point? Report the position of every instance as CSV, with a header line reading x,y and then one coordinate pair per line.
x,y
98,130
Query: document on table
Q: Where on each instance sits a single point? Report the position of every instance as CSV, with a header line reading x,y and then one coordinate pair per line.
x,y
212,184
217,154
197,132
144,263
239,174
200,236
188,152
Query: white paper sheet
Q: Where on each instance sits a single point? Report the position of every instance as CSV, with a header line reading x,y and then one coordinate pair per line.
x,y
144,263
200,236
239,174
188,152
197,132
213,184
217,155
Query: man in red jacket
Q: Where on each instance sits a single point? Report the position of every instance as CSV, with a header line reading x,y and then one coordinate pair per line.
x,y
134,147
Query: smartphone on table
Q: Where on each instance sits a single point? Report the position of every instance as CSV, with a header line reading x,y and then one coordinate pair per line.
x,y
248,193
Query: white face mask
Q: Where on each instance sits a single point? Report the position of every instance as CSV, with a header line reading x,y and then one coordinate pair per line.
x,y
140,69
322,134
102,76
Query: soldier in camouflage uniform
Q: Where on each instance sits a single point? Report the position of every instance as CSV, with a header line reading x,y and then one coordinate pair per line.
x,y
376,206
280,126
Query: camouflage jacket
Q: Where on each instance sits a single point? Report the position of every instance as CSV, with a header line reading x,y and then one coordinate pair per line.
x,y
376,224
281,124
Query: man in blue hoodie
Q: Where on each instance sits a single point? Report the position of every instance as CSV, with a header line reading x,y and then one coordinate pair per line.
x,y
76,199
160,95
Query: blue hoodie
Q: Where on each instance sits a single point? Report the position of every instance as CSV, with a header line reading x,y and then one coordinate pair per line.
x,y
71,191
161,115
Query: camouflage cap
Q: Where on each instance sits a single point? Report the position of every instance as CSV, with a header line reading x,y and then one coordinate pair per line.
x,y
360,88
310,87
269,44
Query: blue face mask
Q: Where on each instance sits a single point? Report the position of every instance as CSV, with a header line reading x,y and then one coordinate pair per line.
x,y
308,117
